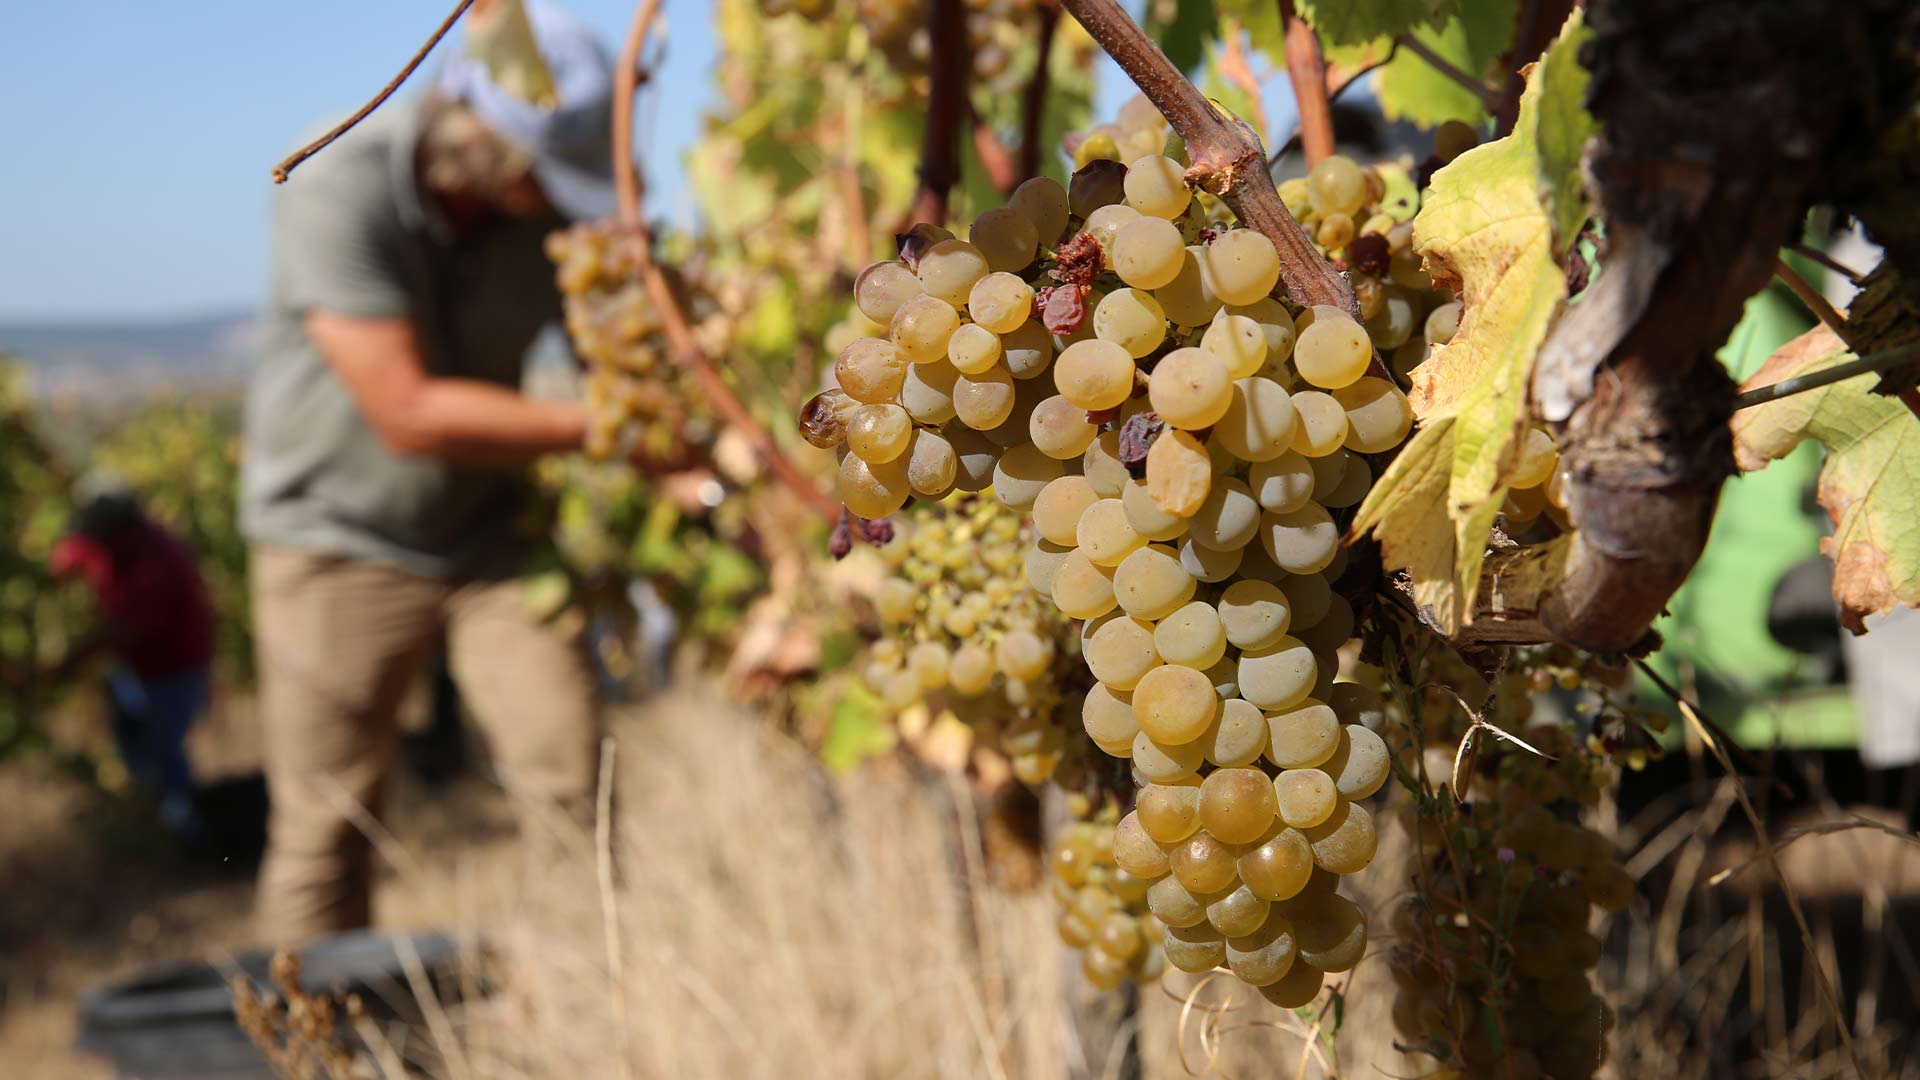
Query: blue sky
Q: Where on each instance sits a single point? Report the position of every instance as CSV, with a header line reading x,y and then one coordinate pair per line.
x,y
138,135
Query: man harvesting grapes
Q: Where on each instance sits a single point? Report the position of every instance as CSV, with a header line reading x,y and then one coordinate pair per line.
x,y
386,435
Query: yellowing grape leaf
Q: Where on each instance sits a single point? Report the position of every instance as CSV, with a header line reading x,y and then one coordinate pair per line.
x,y
1405,520
1562,127
1490,228
1870,484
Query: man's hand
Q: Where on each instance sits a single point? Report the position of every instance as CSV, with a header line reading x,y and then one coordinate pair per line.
x,y
462,421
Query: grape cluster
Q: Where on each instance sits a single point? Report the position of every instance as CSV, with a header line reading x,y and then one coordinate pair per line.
x,y
963,632
899,29
1493,948
634,393
1103,908
1113,359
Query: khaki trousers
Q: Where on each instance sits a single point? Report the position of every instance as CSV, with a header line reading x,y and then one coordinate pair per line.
x,y
340,642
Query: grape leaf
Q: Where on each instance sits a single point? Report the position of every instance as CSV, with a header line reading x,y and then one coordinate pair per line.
x,y
1870,484
1562,129
1473,40
1404,519
1489,228
1350,22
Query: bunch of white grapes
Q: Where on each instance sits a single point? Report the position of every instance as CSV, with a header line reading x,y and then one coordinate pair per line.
x,y
1112,359
1103,909
634,393
1493,948
962,632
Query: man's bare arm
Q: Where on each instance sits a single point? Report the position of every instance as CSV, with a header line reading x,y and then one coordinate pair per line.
x,y
463,421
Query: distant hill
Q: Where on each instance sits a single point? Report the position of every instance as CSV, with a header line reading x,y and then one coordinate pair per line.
x,y
115,356
88,363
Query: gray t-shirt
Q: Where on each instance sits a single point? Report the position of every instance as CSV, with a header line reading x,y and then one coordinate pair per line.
x,y
353,235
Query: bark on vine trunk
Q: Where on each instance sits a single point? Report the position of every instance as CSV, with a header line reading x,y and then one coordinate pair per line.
x,y
1721,122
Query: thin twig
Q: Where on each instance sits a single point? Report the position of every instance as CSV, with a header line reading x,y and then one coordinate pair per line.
x,y
293,160
1307,71
673,320
1828,261
1489,97
610,903
1854,822
626,81
1746,760
1335,88
1828,998
1339,78
1234,68
1800,384
946,111
1226,156
1809,296
1033,105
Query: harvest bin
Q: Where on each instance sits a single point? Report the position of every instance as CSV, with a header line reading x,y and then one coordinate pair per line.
x,y
175,1021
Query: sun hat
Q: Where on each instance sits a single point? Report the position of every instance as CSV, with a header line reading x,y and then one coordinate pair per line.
x,y
571,141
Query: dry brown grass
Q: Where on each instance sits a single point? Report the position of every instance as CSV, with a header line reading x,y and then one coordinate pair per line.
x,y
771,920
774,921
1708,971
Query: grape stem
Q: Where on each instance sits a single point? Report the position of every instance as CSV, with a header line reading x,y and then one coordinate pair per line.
x,y
1307,71
293,160
1226,155
673,321
1800,384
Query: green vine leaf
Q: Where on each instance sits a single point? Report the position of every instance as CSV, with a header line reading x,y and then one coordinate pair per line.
x,y
1870,484
1491,228
1351,22
1473,40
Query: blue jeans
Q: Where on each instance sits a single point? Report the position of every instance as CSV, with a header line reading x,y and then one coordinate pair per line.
x,y
150,721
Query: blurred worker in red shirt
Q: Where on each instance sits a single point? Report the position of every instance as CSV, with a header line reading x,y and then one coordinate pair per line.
x,y
157,624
